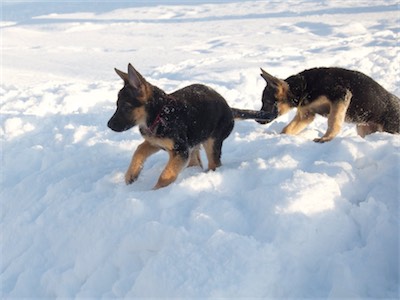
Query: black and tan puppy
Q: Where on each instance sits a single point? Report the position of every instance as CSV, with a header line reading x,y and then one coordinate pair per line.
x,y
178,122
342,95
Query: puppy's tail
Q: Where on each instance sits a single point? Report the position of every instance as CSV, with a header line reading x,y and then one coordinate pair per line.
x,y
258,115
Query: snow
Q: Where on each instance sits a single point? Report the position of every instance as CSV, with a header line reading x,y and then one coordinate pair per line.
x,y
283,217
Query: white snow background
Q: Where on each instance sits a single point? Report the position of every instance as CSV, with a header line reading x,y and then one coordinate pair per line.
x,y
283,217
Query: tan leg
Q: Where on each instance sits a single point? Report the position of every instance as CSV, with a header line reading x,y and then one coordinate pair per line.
x,y
368,128
213,161
195,159
175,164
335,119
143,151
299,122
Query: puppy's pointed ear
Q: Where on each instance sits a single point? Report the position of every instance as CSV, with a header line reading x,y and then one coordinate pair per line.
x,y
135,79
281,86
272,80
123,75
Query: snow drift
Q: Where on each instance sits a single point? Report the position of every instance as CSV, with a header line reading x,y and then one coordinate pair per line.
x,y
283,217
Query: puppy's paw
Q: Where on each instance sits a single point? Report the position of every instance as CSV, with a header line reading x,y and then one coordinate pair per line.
x,y
322,140
130,177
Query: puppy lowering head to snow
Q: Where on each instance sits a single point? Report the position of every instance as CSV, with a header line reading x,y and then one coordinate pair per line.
x,y
340,94
178,123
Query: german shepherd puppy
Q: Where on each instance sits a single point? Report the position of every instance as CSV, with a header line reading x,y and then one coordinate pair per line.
x,y
178,122
340,94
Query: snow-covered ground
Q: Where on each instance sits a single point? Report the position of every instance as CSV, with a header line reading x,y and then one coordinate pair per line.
x,y
283,217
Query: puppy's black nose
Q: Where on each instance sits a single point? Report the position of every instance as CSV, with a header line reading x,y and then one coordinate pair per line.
x,y
113,125
110,124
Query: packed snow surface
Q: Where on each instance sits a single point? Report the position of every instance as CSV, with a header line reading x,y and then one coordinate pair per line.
x,y
283,217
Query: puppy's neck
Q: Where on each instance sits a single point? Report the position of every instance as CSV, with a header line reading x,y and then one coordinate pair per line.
x,y
297,92
157,106
158,100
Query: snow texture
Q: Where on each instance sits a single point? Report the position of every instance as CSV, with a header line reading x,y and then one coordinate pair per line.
x,y
283,217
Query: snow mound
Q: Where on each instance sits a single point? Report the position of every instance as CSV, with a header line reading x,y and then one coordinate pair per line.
x,y
283,217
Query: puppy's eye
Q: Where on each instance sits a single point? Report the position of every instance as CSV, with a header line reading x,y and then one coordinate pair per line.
x,y
127,105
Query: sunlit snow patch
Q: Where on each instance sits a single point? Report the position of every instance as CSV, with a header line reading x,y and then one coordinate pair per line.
x,y
14,127
309,194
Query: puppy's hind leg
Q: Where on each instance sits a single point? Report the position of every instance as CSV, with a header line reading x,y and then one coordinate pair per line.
x,y
336,118
213,157
213,145
195,159
364,129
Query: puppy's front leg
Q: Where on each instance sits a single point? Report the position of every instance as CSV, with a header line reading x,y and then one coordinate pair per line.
x,y
300,121
335,122
336,118
143,151
177,161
